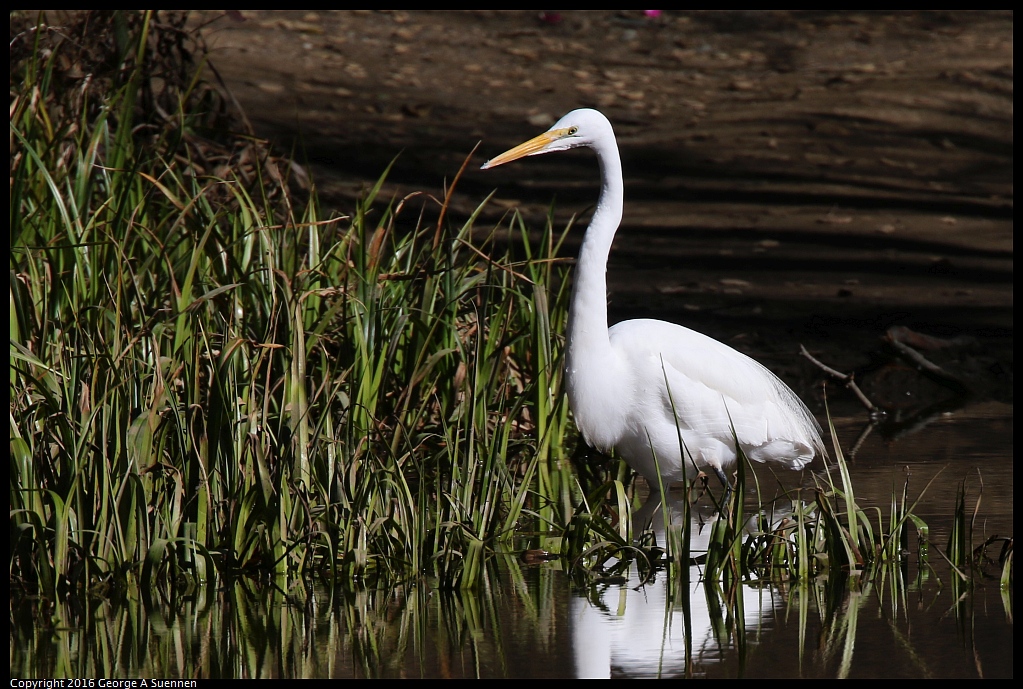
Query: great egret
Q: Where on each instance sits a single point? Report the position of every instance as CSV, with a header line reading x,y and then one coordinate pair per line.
x,y
638,386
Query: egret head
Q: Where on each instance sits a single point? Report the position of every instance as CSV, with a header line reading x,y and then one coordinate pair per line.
x,y
582,127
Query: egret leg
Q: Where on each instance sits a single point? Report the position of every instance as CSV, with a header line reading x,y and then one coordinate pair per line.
x,y
726,484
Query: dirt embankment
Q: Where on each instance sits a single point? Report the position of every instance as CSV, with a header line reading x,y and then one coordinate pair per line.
x,y
791,177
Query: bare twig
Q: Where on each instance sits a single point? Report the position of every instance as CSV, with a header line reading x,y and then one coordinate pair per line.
x,y
846,378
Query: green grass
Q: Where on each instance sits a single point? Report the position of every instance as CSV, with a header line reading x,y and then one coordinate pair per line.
x,y
211,377
220,393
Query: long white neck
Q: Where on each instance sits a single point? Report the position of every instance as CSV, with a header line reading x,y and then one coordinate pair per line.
x,y
590,361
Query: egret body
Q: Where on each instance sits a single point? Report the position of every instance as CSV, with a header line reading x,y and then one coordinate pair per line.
x,y
638,386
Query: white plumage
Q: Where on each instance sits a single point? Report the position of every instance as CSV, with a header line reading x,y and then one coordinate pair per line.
x,y
622,381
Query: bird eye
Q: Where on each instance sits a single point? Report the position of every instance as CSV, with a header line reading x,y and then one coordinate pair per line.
x,y
572,131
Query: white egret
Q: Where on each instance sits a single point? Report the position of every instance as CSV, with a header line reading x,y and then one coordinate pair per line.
x,y
638,386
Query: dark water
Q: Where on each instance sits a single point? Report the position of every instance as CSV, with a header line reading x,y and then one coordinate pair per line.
x,y
534,621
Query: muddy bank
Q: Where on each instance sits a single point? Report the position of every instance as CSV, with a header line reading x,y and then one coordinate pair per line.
x,y
792,177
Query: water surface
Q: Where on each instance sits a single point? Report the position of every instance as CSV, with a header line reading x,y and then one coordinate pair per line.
x,y
536,621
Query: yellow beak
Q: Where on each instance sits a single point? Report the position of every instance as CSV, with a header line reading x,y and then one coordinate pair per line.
x,y
531,147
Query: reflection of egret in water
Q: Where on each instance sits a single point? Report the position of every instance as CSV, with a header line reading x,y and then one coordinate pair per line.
x,y
641,631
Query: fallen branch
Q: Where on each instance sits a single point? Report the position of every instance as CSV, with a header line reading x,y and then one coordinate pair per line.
x,y
896,337
847,379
